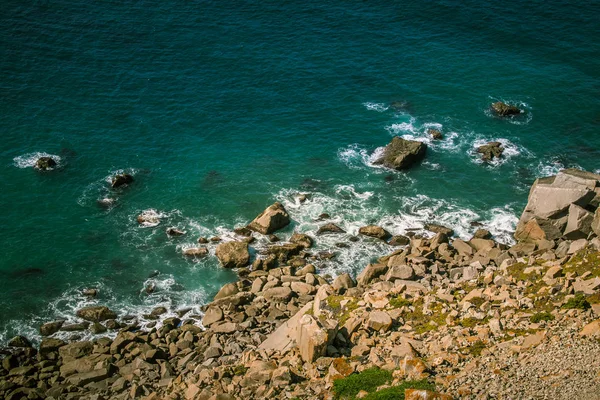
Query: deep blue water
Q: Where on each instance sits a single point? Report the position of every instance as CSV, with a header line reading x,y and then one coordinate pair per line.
x,y
221,108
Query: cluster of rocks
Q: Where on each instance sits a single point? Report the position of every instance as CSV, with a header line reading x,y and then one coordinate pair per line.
x,y
401,154
474,317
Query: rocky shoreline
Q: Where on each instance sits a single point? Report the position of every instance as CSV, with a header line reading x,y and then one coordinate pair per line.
x,y
438,318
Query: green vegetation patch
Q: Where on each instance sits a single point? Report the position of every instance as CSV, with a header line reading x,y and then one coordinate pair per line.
x,y
579,302
471,322
400,301
334,303
583,261
476,348
421,322
397,392
541,316
369,380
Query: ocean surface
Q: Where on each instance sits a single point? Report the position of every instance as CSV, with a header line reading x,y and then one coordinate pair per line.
x,y
219,109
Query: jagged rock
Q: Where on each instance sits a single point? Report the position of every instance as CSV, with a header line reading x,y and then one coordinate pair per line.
x,y
399,240
121,180
374,231
45,163
227,290
311,338
259,373
196,252
379,321
436,228
435,134
50,328
272,219
96,313
233,254
302,239
19,341
490,151
403,272
370,272
329,228
402,154
504,110
343,281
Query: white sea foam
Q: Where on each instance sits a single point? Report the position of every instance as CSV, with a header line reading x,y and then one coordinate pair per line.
x,y
412,129
28,160
101,189
379,107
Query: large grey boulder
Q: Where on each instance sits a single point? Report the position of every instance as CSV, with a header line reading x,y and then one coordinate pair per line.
x,y
558,206
233,254
402,154
272,219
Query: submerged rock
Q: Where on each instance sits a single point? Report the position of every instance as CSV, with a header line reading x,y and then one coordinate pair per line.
x,y
121,180
504,110
196,252
402,154
172,231
272,219
435,134
45,163
330,228
490,151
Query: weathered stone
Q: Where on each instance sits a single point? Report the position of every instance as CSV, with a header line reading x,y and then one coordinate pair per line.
x,y
537,229
96,313
278,294
343,281
76,350
49,345
19,341
371,272
195,252
329,228
402,154
96,375
504,110
579,223
592,329
399,240
302,239
436,228
374,231
149,218
270,220
302,288
435,134
45,163
490,151
212,315
50,328
400,272
227,290
379,321
463,247
422,394
311,338
233,254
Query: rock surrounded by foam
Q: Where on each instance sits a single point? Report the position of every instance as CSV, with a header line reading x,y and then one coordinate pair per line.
x,y
272,219
401,154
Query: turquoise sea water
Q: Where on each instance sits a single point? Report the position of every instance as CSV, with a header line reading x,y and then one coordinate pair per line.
x,y
221,108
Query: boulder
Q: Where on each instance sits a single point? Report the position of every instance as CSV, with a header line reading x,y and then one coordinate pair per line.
x,y
504,110
227,290
402,154
404,272
302,239
399,240
278,294
371,272
19,341
374,231
149,218
379,321
195,252
272,219
311,338
233,254
343,281
50,328
436,228
96,313
45,163
490,151
435,134
121,180
172,231
329,228
76,350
